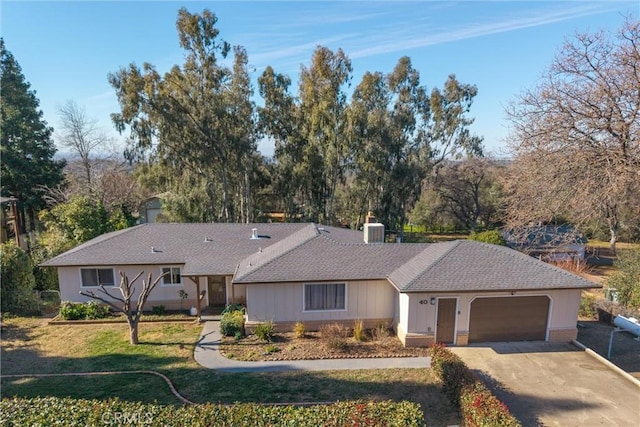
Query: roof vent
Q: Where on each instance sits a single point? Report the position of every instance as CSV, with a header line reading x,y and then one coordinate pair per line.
x,y
207,239
154,250
254,234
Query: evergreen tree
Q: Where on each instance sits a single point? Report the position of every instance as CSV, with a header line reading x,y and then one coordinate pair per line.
x,y
27,150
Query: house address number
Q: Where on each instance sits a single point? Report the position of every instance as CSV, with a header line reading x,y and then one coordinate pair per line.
x,y
424,301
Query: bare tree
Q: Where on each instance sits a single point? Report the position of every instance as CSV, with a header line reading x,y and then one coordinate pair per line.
x,y
469,191
131,309
575,136
82,135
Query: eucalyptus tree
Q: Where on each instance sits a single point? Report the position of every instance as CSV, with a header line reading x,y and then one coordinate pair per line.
x,y
400,133
197,118
576,135
279,121
449,132
27,150
322,112
370,139
311,149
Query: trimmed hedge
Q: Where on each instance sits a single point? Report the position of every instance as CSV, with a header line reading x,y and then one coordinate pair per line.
x,y
478,406
80,412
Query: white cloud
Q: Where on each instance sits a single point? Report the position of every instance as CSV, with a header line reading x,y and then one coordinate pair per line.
x,y
404,38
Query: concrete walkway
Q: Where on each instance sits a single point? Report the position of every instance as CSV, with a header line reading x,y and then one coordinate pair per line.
x,y
207,354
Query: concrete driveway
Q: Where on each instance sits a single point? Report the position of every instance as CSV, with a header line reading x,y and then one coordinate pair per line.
x,y
550,384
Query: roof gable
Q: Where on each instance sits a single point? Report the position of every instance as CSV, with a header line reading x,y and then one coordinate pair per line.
x,y
465,265
322,258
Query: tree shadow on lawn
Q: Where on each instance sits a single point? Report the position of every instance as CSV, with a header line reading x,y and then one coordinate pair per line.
x,y
294,387
202,385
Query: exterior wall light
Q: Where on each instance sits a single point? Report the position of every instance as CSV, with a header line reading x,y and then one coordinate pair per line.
x,y
433,300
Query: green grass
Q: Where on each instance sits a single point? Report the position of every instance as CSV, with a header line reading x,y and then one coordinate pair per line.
x,y
32,346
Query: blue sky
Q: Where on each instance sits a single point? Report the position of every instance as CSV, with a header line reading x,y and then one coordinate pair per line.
x,y
66,49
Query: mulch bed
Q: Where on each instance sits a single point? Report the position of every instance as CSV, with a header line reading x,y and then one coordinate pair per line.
x,y
285,346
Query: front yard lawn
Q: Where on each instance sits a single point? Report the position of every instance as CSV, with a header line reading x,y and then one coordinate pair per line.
x,y
31,346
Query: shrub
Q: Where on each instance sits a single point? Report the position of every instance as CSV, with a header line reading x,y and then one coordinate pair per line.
x,y
358,331
575,266
158,310
626,281
265,331
232,323
271,349
82,311
17,281
81,412
232,307
587,307
490,236
71,310
299,330
334,335
380,332
95,310
478,406
608,310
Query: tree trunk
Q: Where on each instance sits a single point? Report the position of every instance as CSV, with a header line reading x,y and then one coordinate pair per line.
x,y
614,238
225,196
133,332
612,221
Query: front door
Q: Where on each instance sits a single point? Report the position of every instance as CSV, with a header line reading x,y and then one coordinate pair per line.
x,y
446,325
217,291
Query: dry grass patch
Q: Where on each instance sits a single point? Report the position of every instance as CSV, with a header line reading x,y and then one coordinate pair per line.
x,y
31,345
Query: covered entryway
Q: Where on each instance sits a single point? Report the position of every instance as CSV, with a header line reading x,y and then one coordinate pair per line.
x,y
511,318
217,291
446,325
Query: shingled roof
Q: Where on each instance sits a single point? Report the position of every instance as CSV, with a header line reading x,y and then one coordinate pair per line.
x,y
202,248
322,258
465,265
307,252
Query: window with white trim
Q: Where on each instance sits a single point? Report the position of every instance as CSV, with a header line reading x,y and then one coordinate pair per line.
x,y
324,297
172,276
97,276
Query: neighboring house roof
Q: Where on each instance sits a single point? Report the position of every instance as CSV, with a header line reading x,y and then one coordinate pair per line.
x,y
465,265
547,237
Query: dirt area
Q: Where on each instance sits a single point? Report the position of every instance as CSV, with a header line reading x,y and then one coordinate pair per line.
x,y
625,348
285,346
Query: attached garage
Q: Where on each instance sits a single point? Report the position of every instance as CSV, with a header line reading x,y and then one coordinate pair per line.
x,y
513,318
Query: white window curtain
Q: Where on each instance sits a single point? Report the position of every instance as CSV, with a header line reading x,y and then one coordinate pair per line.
x,y
326,296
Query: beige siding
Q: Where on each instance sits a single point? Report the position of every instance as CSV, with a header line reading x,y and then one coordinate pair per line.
x,y
422,317
283,302
167,295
